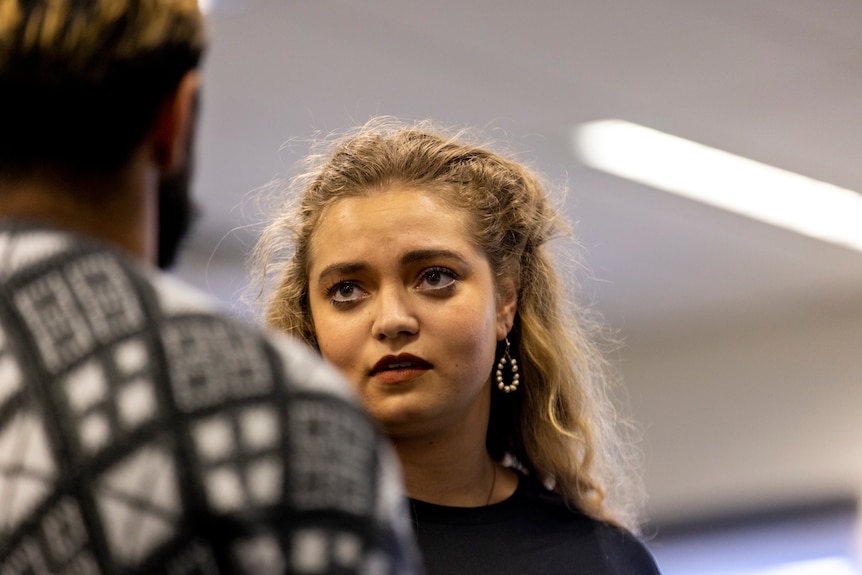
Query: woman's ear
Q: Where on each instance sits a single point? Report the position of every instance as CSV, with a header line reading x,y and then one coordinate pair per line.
x,y
507,306
174,124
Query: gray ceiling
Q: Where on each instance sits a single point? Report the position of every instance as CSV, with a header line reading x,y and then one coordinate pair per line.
x,y
779,81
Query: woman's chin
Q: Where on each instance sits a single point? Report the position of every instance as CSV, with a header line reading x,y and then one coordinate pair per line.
x,y
404,422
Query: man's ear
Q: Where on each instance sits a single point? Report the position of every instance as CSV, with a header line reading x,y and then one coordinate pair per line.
x,y
174,124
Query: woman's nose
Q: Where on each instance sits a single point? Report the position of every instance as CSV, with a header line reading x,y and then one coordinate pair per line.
x,y
394,314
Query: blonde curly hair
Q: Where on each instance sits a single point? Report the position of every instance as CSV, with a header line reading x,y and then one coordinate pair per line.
x,y
561,425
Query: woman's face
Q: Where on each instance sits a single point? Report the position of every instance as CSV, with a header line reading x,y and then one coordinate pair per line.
x,y
406,307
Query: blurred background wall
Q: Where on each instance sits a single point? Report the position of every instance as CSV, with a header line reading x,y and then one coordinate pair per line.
x,y
741,341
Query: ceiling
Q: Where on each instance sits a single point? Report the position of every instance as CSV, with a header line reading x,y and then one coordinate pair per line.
x,y
779,81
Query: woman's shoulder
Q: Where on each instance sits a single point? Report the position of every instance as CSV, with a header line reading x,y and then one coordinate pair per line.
x,y
533,531
624,551
621,549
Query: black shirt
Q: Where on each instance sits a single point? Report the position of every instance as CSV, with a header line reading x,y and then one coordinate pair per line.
x,y
532,532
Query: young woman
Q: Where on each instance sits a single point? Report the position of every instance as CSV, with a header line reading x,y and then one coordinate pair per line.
x,y
416,262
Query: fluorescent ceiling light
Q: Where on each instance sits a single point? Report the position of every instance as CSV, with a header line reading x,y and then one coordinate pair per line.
x,y
715,177
223,7
825,566
206,6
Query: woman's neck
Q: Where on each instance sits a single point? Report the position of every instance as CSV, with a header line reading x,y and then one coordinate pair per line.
x,y
453,471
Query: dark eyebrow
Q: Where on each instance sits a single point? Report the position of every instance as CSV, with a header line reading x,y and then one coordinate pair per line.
x,y
341,269
416,256
425,255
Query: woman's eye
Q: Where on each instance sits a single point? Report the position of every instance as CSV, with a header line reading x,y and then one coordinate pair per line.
x,y
437,278
345,292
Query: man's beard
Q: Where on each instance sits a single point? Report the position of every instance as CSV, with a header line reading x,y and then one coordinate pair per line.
x,y
177,211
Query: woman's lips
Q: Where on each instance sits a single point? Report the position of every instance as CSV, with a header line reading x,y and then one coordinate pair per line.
x,y
400,368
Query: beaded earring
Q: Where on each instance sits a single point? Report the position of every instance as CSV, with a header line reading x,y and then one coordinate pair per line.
x,y
513,367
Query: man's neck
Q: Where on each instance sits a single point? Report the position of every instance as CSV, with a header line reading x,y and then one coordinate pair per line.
x,y
117,209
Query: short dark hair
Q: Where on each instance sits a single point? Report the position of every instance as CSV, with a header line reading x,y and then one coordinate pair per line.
x,y
81,81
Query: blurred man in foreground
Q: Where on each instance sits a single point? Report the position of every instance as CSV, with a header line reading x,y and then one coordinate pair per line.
x,y
140,432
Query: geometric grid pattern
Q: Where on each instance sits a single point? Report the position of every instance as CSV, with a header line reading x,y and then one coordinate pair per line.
x,y
329,458
111,394
214,362
319,551
139,503
28,471
129,428
76,307
261,554
238,450
59,545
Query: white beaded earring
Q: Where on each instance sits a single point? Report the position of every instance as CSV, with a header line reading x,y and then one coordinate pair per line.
x,y
516,377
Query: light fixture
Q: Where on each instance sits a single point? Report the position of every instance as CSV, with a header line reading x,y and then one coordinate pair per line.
x,y
718,178
820,566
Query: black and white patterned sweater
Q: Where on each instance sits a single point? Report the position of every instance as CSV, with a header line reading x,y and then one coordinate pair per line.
x,y
142,432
